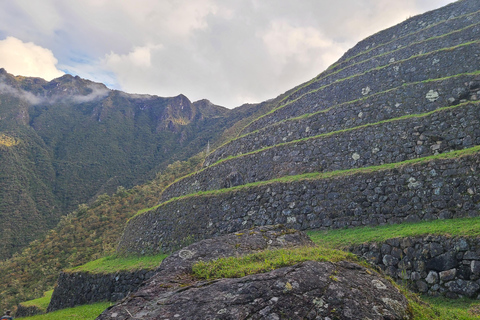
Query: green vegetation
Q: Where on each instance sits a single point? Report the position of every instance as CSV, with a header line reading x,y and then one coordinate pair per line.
x,y
112,264
41,303
86,312
402,37
89,233
322,175
447,309
264,261
343,238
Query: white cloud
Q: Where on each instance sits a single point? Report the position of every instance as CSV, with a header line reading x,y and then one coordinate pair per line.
x,y
227,51
27,59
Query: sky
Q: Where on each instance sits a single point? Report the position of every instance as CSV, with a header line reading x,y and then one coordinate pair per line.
x,y
230,52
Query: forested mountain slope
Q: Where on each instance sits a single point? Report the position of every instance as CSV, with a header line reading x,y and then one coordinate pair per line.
x,y
64,142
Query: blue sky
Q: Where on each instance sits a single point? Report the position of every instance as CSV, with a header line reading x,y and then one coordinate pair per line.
x,y
228,51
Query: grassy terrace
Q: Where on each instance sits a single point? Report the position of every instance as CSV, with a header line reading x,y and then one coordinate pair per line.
x,y
359,75
323,75
114,264
328,134
320,77
85,312
322,175
344,238
308,115
40,303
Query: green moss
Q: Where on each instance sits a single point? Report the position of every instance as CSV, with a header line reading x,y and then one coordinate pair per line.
x,y
41,303
344,238
114,264
85,312
264,261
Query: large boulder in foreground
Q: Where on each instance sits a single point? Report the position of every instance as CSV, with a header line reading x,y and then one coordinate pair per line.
x,y
309,290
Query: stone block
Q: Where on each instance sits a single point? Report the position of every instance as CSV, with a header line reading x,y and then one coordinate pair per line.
x,y
448,275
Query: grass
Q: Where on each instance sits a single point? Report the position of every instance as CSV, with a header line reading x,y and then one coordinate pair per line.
x,y
264,261
40,303
442,308
343,238
114,264
85,312
322,175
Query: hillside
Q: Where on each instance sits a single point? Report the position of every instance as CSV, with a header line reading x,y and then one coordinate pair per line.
x,y
64,142
388,134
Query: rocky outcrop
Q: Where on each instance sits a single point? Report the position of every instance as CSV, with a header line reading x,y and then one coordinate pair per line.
x,y
78,288
434,265
308,290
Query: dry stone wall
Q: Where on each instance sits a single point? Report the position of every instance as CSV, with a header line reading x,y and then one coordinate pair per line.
x,y
434,65
411,26
388,142
78,288
434,265
438,189
463,31
370,109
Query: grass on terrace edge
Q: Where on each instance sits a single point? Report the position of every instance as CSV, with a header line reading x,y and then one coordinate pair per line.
x,y
85,312
40,303
344,238
113,264
321,175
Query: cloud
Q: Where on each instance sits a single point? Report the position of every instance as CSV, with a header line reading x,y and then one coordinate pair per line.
x,y
28,59
98,91
227,51
18,93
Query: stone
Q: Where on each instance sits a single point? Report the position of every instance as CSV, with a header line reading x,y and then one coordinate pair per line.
x,y
448,275
443,262
432,277
308,290
475,267
389,260
463,287
422,286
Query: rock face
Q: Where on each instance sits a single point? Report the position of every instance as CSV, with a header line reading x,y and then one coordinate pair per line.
x,y
433,265
388,134
308,290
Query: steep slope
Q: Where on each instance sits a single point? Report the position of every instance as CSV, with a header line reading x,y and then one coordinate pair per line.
x,y
387,134
64,142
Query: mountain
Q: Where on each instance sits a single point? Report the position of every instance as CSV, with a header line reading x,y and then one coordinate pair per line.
x,y
64,142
